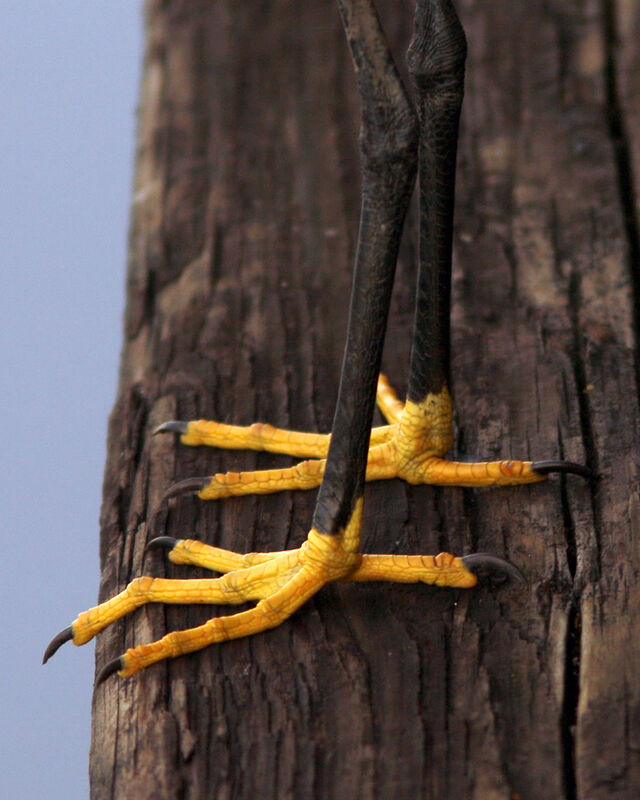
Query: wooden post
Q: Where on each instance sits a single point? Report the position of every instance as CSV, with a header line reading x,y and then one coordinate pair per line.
x,y
243,226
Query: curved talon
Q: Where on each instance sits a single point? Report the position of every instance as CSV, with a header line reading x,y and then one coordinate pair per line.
x,y
545,467
173,426
58,640
112,666
492,569
186,486
167,542
414,445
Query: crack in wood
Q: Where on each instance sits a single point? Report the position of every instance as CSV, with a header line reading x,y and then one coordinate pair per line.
x,y
624,165
534,149
569,715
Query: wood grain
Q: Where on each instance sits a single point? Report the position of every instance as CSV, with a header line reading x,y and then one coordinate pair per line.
x,y
243,227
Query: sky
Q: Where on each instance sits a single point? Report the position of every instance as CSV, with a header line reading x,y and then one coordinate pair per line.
x,y
69,74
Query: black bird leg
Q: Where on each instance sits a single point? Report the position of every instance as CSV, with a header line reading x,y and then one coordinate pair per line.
x,y
436,60
388,143
415,449
393,139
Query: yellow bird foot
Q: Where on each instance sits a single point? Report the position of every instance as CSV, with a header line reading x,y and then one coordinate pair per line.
x,y
411,447
281,582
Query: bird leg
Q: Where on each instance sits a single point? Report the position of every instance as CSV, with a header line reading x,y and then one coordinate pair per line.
x,y
281,582
412,446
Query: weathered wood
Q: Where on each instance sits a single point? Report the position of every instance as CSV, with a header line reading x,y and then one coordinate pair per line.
x,y
243,228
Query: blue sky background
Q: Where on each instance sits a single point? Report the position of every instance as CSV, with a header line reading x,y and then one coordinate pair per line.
x,y
69,73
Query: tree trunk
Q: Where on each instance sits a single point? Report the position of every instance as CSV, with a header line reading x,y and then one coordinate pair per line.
x,y
243,229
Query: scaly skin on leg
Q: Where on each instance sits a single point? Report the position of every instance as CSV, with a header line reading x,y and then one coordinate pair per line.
x,y
388,402
235,587
261,436
441,570
269,613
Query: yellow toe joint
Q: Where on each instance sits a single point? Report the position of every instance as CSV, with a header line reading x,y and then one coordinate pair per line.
x,y
258,436
390,405
439,472
335,556
441,570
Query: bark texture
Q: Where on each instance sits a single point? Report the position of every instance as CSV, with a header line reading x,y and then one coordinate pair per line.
x,y
242,236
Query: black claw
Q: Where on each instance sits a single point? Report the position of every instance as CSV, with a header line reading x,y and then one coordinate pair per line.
x,y
57,641
167,542
492,569
186,486
174,426
545,467
112,666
